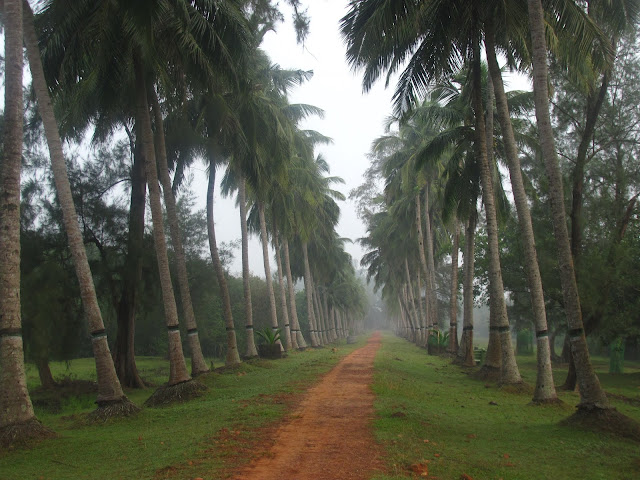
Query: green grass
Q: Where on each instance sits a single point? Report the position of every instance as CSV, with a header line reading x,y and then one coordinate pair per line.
x,y
242,399
429,411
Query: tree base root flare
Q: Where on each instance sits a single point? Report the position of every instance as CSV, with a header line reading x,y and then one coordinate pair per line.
x,y
113,409
24,435
178,393
607,420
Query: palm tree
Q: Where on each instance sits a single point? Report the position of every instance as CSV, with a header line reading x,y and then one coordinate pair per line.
x,y
242,200
545,389
295,324
17,419
453,306
111,399
198,364
232,356
592,395
178,371
290,341
166,27
435,47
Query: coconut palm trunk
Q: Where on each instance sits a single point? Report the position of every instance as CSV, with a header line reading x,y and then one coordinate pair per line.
x,y
288,340
431,278
267,269
545,390
295,324
424,329
248,309
492,363
177,366
591,394
410,312
317,314
308,288
232,357
465,351
16,409
453,306
198,364
320,317
412,301
509,373
109,388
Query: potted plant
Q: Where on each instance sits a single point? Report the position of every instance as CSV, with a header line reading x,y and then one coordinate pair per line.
x,y
437,342
270,348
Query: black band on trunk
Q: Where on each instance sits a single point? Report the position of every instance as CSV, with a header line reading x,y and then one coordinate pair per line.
x,y
467,328
501,329
542,333
10,332
192,331
173,328
229,329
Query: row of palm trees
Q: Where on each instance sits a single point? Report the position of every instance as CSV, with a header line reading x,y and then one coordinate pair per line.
x,y
185,80
445,143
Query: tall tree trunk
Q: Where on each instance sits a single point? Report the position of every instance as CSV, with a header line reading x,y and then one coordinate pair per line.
x,y
509,373
295,324
545,390
591,393
422,318
465,351
124,353
453,307
15,403
198,364
431,278
308,288
320,317
288,341
177,366
267,269
233,356
493,359
109,389
409,312
425,271
246,275
412,301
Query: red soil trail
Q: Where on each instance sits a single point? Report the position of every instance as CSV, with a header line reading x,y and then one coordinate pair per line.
x,y
329,437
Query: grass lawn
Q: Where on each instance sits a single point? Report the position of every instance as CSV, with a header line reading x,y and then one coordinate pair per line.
x,y
434,420
183,441
437,422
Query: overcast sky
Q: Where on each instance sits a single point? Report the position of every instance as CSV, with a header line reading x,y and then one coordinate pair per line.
x,y
351,119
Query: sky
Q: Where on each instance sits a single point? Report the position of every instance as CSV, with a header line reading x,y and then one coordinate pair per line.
x,y
352,119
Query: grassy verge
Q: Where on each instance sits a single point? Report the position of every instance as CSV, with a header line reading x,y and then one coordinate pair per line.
x,y
437,422
182,441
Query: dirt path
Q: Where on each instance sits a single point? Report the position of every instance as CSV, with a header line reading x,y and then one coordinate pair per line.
x,y
329,436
